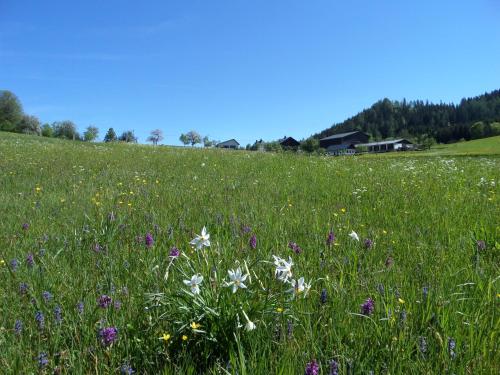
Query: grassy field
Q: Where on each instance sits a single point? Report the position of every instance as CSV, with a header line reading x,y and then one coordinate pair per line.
x,y
95,248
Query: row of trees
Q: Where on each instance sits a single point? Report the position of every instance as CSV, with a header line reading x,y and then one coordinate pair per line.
x,y
13,119
443,122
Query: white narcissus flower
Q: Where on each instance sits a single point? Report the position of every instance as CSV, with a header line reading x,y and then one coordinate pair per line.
x,y
202,240
299,287
283,268
237,279
194,283
250,326
354,235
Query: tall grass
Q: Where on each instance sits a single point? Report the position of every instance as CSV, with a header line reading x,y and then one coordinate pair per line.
x,y
88,207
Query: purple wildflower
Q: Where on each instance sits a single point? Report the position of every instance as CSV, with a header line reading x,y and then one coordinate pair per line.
x,y
97,248
18,327
126,369
47,296
425,292
451,347
368,243
312,368
481,245
334,367
117,305
323,296
14,263
174,253
42,359
30,260
422,344
104,301
26,226
331,238
296,248
80,307
367,307
40,319
58,314
23,288
253,241
108,335
246,229
149,240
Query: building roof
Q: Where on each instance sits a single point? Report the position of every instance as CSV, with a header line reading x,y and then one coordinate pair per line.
x,y
341,135
230,142
387,142
289,139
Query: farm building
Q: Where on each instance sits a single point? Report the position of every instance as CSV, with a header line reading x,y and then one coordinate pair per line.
x,y
289,142
343,143
232,143
385,146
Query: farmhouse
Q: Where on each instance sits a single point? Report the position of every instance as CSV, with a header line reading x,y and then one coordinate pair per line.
x,y
232,143
289,142
343,143
385,146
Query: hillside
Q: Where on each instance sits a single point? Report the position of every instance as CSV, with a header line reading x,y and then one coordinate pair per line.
x,y
472,118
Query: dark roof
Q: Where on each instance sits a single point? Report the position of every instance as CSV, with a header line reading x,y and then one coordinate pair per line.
x,y
341,135
228,143
387,142
289,139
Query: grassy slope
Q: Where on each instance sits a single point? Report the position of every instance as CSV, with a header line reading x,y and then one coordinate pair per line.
x,y
424,213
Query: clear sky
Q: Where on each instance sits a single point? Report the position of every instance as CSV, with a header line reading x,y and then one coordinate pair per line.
x,y
241,69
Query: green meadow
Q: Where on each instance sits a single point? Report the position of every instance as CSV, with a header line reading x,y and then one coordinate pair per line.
x,y
95,248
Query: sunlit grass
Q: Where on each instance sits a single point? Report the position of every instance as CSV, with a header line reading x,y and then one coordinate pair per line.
x,y
89,207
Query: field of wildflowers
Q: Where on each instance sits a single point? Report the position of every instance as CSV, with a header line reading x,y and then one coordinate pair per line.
x,y
134,259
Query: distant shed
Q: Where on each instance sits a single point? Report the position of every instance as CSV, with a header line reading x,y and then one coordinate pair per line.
x,y
232,143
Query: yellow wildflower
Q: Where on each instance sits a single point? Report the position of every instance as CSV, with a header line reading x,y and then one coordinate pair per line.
x,y
401,301
184,337
2,262
165,337
343,210
195,325
279,309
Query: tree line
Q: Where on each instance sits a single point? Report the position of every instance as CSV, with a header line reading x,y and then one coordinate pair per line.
x,y
13,119
472,118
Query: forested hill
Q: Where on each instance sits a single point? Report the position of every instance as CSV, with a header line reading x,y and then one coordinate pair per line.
x,y
476,117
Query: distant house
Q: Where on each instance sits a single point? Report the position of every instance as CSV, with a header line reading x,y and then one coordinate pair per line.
x,y
289,142
388,145
232,143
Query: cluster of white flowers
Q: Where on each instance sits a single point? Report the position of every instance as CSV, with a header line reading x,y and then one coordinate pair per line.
x,y
283,272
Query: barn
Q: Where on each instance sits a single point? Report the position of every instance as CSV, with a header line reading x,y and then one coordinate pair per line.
x,y
232,143
343,143
350,138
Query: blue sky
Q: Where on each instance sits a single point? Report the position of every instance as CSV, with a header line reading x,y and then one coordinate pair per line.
x,y
241,69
